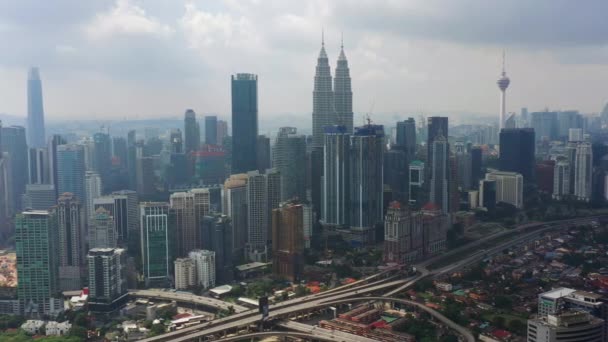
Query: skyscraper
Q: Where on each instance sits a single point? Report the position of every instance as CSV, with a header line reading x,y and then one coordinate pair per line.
x,y
323,113
416,178
517,152
13,142
437,126
406,137
366,180
503,84
234,205
222,131
343,94
288,240
476,174
123,206
132,159
102,158
440,174
263,195
335,197
71,242
36,135
398,234
211,130
210,166
204,263
217,236
561,179
263,153
54,142
102,230
182,203
155,242
396,174
289,159
120,151
583,171
244,122
38,169
37,263
93,190
545,125
71,170
192,132
107,279
39,196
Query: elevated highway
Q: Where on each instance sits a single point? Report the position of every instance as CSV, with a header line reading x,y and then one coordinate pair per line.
x,y
181,297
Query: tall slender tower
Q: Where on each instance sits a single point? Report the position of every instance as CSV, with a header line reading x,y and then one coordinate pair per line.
x,y
322,98
503,84
35,111
343,94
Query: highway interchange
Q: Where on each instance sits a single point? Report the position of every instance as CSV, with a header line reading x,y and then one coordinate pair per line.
x,y
364,289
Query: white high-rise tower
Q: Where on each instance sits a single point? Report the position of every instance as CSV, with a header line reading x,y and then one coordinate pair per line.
x,y
503,83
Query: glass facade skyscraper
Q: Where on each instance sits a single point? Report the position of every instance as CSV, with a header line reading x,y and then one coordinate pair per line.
x,y
156,242
35,112
517,152
71,170
244,122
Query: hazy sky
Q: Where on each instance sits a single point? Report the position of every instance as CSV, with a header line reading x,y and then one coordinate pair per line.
x,y
154,58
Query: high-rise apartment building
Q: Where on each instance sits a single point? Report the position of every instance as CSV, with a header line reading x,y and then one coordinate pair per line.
x,y
561,179
509,187
244,122
323,110
36,136
263,195
336,180
185,273
288,240
192,132
343,93
182,204
71,234
582,173
107,279
204,265
517,152
366,180
234,205
263,153
36,242
211,130
93,190
156,239
289,159
71,170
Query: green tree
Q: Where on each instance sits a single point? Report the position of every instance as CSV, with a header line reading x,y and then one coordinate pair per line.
x,y
518,327
498,321
78,332
156,329
503,302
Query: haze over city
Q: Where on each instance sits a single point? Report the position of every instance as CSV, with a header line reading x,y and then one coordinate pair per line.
x,y
151,59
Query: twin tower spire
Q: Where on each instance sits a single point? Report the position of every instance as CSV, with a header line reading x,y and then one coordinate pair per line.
x,y
332,103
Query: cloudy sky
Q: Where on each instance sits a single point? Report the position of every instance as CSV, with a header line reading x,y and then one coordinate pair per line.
x,y
154,58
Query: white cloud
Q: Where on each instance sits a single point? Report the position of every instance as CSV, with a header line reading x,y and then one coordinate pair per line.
x,y
125,18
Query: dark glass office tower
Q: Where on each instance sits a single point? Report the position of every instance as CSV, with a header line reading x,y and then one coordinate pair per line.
x,y
103,158
211,130
475,166
289,158
55,141
517,152
437,125
263,153
406,137
14,143
244,122
35,111
192,132
216,235
396,174
71,170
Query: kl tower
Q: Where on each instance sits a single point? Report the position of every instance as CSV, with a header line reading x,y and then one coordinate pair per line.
x,y
503,84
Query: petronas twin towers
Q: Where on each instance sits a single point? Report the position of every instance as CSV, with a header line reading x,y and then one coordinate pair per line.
x,y
331,105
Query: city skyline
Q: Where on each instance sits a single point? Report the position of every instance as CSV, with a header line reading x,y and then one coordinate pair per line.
x,y
399,66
